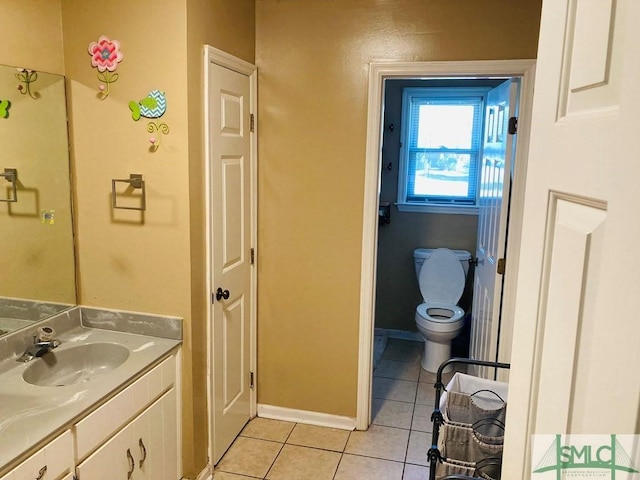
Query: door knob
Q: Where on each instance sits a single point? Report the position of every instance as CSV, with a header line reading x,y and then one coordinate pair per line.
x,y
220,294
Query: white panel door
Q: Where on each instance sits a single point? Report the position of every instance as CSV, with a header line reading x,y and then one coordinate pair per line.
x,y
230,169
575,353
495,184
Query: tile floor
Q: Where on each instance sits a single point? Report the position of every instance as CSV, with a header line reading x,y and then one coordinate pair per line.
x,y
393,448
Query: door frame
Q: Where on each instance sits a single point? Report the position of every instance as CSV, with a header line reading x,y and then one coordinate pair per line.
x,y
223,59
378,73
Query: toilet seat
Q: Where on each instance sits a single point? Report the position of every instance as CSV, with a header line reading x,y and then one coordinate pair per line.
x,y
441,281
442,277
453,312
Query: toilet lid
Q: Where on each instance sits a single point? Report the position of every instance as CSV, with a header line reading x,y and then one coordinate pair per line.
x,y
442,277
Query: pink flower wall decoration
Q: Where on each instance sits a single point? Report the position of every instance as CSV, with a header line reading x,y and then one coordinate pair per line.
x,y
105,56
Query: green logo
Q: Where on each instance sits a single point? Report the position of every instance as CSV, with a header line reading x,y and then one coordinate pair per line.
x,y
585,458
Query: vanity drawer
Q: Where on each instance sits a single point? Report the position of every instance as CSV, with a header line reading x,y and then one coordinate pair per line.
x,y
49,463
99,425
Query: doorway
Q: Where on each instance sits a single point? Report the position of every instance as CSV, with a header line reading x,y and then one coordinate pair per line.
x,y
379,74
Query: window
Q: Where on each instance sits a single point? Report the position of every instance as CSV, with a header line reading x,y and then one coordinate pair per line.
x,y
441,149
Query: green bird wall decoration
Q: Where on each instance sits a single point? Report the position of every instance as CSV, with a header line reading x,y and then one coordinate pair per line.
x,y
5,105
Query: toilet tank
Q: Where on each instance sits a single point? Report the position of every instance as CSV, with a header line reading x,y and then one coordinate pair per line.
x,y
421,254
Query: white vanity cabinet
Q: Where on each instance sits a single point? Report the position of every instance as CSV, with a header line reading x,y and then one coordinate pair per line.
x,y
54,461
146,449
133,436
119,423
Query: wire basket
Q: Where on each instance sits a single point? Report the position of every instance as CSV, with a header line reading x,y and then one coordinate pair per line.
x,y
472,434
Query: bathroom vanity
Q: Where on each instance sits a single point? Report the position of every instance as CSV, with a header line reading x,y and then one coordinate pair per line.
x,y
102,405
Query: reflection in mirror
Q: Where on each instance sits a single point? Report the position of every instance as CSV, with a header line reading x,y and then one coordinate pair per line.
x,y
36,230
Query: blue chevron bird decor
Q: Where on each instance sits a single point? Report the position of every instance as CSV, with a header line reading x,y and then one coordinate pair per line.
x,y
153,106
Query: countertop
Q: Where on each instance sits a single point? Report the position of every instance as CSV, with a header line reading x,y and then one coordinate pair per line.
x,y
31,414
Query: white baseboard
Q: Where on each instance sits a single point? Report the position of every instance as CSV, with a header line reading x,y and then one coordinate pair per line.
x,y
400,334
206,474
307,417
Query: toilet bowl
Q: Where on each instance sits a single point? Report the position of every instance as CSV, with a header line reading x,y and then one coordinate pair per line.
x,y
439,319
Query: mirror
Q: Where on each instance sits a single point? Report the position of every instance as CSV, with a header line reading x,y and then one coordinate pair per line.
x,y
37,261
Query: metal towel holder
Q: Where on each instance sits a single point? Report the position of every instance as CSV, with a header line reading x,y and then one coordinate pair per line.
x,y
135,181
11,175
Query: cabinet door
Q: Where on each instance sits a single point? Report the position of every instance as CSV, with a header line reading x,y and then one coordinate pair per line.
x,y
149,442
171,440
156,438
48,463
112,461
146,449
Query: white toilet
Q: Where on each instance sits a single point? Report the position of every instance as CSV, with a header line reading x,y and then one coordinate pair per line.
x,y
441,274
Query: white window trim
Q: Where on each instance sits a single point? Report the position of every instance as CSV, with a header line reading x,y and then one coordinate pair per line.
x,y
416,207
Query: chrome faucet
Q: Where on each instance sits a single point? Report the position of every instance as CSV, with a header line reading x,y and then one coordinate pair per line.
x,y
38,349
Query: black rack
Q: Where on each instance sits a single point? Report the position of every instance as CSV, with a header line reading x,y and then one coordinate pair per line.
x,y
433,454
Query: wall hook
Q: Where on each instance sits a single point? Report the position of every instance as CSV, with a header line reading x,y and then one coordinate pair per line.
x,y
26,77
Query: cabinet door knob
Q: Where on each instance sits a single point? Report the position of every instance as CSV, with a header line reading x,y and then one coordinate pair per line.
x,y
132,464
143,451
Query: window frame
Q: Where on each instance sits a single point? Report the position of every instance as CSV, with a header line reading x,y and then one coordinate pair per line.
x,y
437,93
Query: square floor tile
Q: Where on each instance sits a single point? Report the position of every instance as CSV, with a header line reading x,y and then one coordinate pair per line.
x,y
249,456
403,351
379,442
419,444
319,437
426,394
400,370
422,418
230,476
394,389
391,413
415,472
428,377
353,467
267,429
296,463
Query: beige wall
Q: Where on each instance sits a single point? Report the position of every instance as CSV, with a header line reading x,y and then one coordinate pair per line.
x,y
31,34
145,262
313,61
129,260
126,260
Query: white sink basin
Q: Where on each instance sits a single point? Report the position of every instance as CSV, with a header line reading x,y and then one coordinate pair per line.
x,y
81,363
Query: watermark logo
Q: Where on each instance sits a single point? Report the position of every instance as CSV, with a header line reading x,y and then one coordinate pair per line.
x,y
577,457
